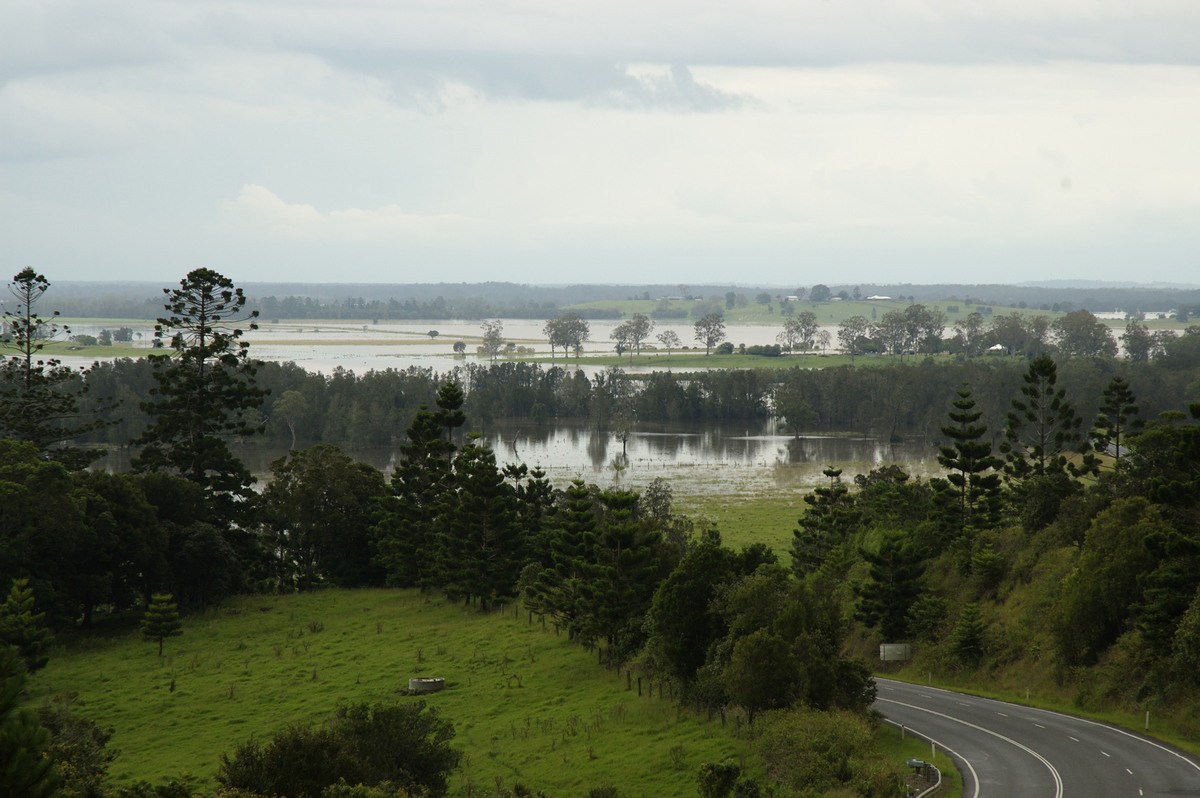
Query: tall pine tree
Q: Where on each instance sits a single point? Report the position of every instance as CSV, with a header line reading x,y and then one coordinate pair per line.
x,y
205,392
974,477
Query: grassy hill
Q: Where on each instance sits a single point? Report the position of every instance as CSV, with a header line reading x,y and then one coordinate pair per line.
x,y
528,706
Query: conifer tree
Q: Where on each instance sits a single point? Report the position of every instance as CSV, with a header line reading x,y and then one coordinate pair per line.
x,y
1043,429
969,459
625,570
161,620
825,526
26,768
24,629
966,642
1116,419
480,543
39,397
422,490
893,586
557,588
205,391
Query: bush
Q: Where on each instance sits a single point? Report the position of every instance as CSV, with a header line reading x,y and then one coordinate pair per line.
x,y
399,747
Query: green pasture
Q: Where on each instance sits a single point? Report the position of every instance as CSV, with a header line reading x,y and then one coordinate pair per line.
x,y
528,705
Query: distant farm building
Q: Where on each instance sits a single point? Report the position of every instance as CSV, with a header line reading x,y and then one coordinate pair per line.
x,y
878,298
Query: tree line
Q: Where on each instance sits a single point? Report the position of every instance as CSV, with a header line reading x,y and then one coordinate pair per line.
x,y
617,569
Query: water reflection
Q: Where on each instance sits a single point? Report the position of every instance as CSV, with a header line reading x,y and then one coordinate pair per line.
x,y
720,457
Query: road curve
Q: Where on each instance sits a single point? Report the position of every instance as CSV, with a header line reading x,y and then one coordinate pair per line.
x,y
1005,750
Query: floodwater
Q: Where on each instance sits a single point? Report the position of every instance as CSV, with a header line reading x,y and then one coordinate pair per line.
x,y
743,458
727,459
322,346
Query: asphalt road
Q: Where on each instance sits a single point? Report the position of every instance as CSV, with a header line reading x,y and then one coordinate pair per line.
x,y
1005,750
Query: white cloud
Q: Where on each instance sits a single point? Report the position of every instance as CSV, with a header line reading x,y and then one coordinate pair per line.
x,y
259,210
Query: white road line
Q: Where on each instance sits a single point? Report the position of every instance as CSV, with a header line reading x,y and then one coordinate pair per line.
x,y
1130,772
1040,726
1076,739
1107,754
944,747
1058,784
1001,714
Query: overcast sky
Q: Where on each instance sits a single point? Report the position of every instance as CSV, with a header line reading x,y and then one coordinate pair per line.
x,y
773,142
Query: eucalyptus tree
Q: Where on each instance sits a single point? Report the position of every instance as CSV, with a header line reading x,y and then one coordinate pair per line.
x,y
567,331
1080,334
850,331
205,391
40,397
710,330
799,332
669,339
634,331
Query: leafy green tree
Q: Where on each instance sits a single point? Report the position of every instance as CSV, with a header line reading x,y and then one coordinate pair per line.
x,y
1138,342
291,409
670,340
850,333
320,505
710,330
24,629
819,293
26,769
970,333
1080,334
630,334
762,673
1043,431
923,328
974,476
161,620
40,399
799,331
892,332
1100,597
492,339
717,779
402,745
204,391
568,332
682,623
796,412
1117,417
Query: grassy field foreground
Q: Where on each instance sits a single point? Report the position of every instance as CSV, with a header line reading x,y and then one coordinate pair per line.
x,y
528,707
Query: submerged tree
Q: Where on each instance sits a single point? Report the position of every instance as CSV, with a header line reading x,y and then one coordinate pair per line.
x,y
205,391
40,397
